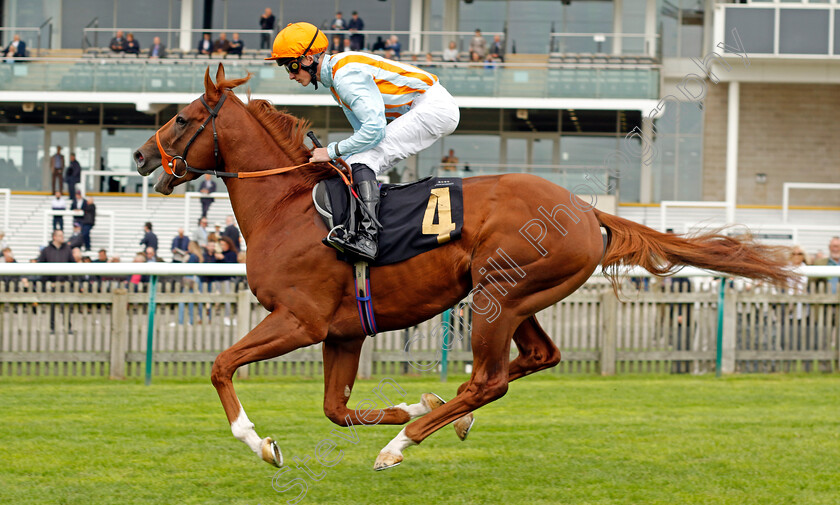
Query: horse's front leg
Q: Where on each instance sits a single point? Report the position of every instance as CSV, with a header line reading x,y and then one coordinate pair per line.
x,y
277,334
341,362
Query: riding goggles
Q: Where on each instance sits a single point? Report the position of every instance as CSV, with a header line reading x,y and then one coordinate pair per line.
x,y
294,65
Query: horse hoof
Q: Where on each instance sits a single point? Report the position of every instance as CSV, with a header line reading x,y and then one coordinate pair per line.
x,y
431,401
387,460
271,453
464,425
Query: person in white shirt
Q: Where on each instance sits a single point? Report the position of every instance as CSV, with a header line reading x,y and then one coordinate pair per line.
x,y
58,203
450,53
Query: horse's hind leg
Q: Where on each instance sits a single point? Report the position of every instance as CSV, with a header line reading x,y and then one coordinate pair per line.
x,y
536,352
489,381
277,334
341,362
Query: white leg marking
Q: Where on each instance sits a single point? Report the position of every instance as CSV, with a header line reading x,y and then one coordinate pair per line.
x,y
243,429
399,443
415,410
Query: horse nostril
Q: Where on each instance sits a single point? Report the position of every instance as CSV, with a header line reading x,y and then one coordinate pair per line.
x,y
139,160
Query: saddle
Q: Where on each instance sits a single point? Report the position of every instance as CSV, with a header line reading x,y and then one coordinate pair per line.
x,y
416,217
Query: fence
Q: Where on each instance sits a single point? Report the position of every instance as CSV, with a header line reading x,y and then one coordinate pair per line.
x,y
99,327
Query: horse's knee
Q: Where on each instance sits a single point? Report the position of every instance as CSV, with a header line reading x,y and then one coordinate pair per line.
x,y
337,414
220,374
487,391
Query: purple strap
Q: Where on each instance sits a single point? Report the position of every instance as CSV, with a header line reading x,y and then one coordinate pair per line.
x,y
365,306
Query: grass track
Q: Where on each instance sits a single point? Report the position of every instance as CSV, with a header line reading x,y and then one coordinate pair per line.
x,y
566,440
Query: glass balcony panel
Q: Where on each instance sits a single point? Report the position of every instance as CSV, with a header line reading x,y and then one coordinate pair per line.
x,y
753,25
803,31
487,80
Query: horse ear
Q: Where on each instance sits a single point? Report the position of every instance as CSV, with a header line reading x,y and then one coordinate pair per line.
x,y
210,90
220,73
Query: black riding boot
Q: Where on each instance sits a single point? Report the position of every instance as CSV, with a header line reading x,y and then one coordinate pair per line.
x,y
365,241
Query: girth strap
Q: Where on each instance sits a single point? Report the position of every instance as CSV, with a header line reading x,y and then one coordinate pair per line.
x,y
361,283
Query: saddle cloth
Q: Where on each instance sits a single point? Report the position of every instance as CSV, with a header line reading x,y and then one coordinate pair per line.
x,y
417,217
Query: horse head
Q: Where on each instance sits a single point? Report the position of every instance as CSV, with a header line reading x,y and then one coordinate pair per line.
x,y
181,146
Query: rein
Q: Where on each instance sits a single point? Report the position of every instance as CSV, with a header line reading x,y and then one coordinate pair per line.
x,y
168,162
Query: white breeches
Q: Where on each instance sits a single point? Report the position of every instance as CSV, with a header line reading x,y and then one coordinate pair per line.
x,y
432,115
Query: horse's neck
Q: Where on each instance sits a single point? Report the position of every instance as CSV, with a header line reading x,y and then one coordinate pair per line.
x,y
258,202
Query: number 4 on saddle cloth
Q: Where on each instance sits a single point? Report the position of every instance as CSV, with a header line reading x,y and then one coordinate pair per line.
x,y
416,218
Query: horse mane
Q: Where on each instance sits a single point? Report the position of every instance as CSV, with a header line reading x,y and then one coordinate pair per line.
x,y
287,131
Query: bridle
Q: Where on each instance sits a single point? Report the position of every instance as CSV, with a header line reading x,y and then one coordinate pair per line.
x,y
168,162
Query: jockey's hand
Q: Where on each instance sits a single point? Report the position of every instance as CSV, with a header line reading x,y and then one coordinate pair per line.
x,y
319,155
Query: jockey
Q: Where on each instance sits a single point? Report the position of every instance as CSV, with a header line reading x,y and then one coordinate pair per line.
x,y
396,110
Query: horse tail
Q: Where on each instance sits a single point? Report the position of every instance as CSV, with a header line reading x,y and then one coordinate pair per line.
x,y
633,244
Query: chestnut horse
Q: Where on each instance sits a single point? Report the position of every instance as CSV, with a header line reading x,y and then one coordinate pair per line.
x,y
551,242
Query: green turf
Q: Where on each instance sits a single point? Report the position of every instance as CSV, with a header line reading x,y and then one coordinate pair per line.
x,y
570,440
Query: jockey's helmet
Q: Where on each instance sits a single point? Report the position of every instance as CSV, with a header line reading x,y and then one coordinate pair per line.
x,y
298,40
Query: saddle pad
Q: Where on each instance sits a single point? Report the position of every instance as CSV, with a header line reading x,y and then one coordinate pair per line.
x,y
417,217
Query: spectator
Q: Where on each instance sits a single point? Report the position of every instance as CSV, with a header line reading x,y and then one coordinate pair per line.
x,y
225,253
88,220
833,258
12,281
497,50
379,45
102,257
232,232
207,187
131,45
151,255
118,42
73,176
208,256
157,49
266,23
180,244
15,49
3,243
478,47
218,231
798,313
449,162
77,204
339,24
57,167
450,53
429,60
335,46
222,45
57,251
76,239
205,45
393,45
137,278
347,46
200,235
236,45
191,283
58,203
77,254
357,40
149,238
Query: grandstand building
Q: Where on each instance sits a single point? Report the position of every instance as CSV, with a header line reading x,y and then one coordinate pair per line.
x,y
715,102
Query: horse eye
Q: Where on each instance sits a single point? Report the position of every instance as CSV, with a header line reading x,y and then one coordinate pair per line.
x,y
180,121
